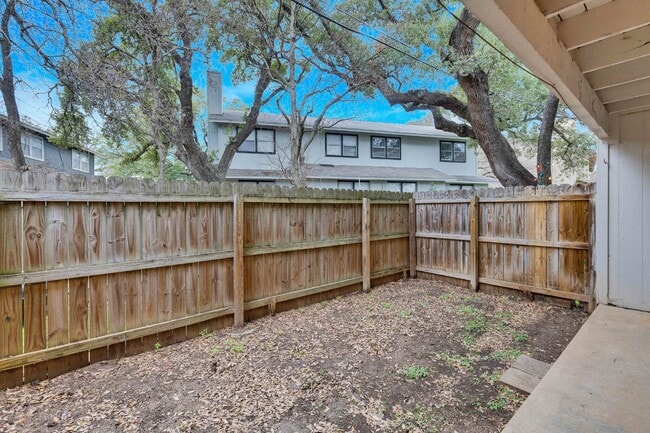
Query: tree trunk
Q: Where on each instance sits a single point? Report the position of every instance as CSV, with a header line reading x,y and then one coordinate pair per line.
x,y
503,160
298,177
188,149
544,142
7,86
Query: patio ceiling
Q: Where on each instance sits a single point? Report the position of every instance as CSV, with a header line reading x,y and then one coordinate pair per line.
x,y
595,53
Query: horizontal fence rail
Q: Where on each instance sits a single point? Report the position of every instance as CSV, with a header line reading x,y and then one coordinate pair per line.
x,y
536,240
94,268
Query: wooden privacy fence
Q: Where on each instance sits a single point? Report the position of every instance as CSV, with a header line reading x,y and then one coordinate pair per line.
x,y
94,268
536,240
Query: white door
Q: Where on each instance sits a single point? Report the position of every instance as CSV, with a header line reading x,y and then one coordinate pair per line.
x,y
629,214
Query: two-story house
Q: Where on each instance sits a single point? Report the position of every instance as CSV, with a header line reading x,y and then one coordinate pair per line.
x,y
346,154
39,151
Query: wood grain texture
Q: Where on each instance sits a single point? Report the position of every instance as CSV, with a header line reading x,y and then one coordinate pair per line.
x,y
10,238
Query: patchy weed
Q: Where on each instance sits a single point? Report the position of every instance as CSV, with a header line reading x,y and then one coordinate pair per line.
x,y
413,372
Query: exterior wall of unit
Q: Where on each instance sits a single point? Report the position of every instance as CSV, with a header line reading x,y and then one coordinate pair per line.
x,y
54,157
623,215
416,152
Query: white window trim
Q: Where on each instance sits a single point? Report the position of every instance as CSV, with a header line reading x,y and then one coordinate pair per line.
x,y
30,136
1,138
81,155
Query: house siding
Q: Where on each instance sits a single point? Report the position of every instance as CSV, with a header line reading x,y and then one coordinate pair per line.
x,y
417,152
56,158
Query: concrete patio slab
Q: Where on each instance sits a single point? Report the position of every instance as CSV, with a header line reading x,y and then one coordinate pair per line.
x,y
600,383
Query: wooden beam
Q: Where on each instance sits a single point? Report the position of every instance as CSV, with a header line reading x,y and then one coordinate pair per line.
x,y
621,73
603,22
625,91
108,268
474,215
629,104
528,34
613,51
238,261
365,243
413,254
106,340
551,8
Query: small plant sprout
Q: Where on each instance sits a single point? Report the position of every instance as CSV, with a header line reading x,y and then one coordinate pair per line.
x,y
234,345
388,305
521,337
405,313
505,355
413,372
205,333
157,346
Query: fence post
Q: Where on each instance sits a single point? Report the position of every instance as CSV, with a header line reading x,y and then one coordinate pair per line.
x,y
365,243
474,216
413,258
238,260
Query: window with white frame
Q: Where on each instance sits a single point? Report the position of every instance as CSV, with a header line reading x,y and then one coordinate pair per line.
x,y
386,147
80,161
453,151
33,146
344,145
259,141
1,138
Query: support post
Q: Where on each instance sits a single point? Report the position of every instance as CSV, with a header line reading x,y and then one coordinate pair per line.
x,y
413,258
238,261
365,243
474,216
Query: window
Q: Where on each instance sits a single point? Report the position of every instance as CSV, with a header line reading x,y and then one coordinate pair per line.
x,y
362,185
343,145
1,137
33,146
453,151
80,161
401,186
386,147
260,141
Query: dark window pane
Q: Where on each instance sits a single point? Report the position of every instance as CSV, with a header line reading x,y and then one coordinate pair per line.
x,y
378,147
459,152
446,151
393,148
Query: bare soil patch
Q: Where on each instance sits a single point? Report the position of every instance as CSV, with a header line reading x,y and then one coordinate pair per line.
x,y
410,356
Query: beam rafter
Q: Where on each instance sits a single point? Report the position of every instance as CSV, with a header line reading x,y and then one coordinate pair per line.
x,y
528,34
603,22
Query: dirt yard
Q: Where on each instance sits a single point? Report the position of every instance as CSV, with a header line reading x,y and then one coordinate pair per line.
x,y
410,356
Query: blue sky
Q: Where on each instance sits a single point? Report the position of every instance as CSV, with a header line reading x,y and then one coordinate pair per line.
x,y
35,103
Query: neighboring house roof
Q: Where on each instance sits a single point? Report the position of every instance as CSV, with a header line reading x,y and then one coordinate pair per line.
x,y
356,172
40,131
338,125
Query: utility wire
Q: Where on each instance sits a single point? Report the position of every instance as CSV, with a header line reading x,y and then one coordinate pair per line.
x,y
365,35
504,55
411,56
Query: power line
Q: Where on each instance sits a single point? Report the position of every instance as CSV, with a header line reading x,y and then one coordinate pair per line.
x,y
504,55
411,56
360,33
